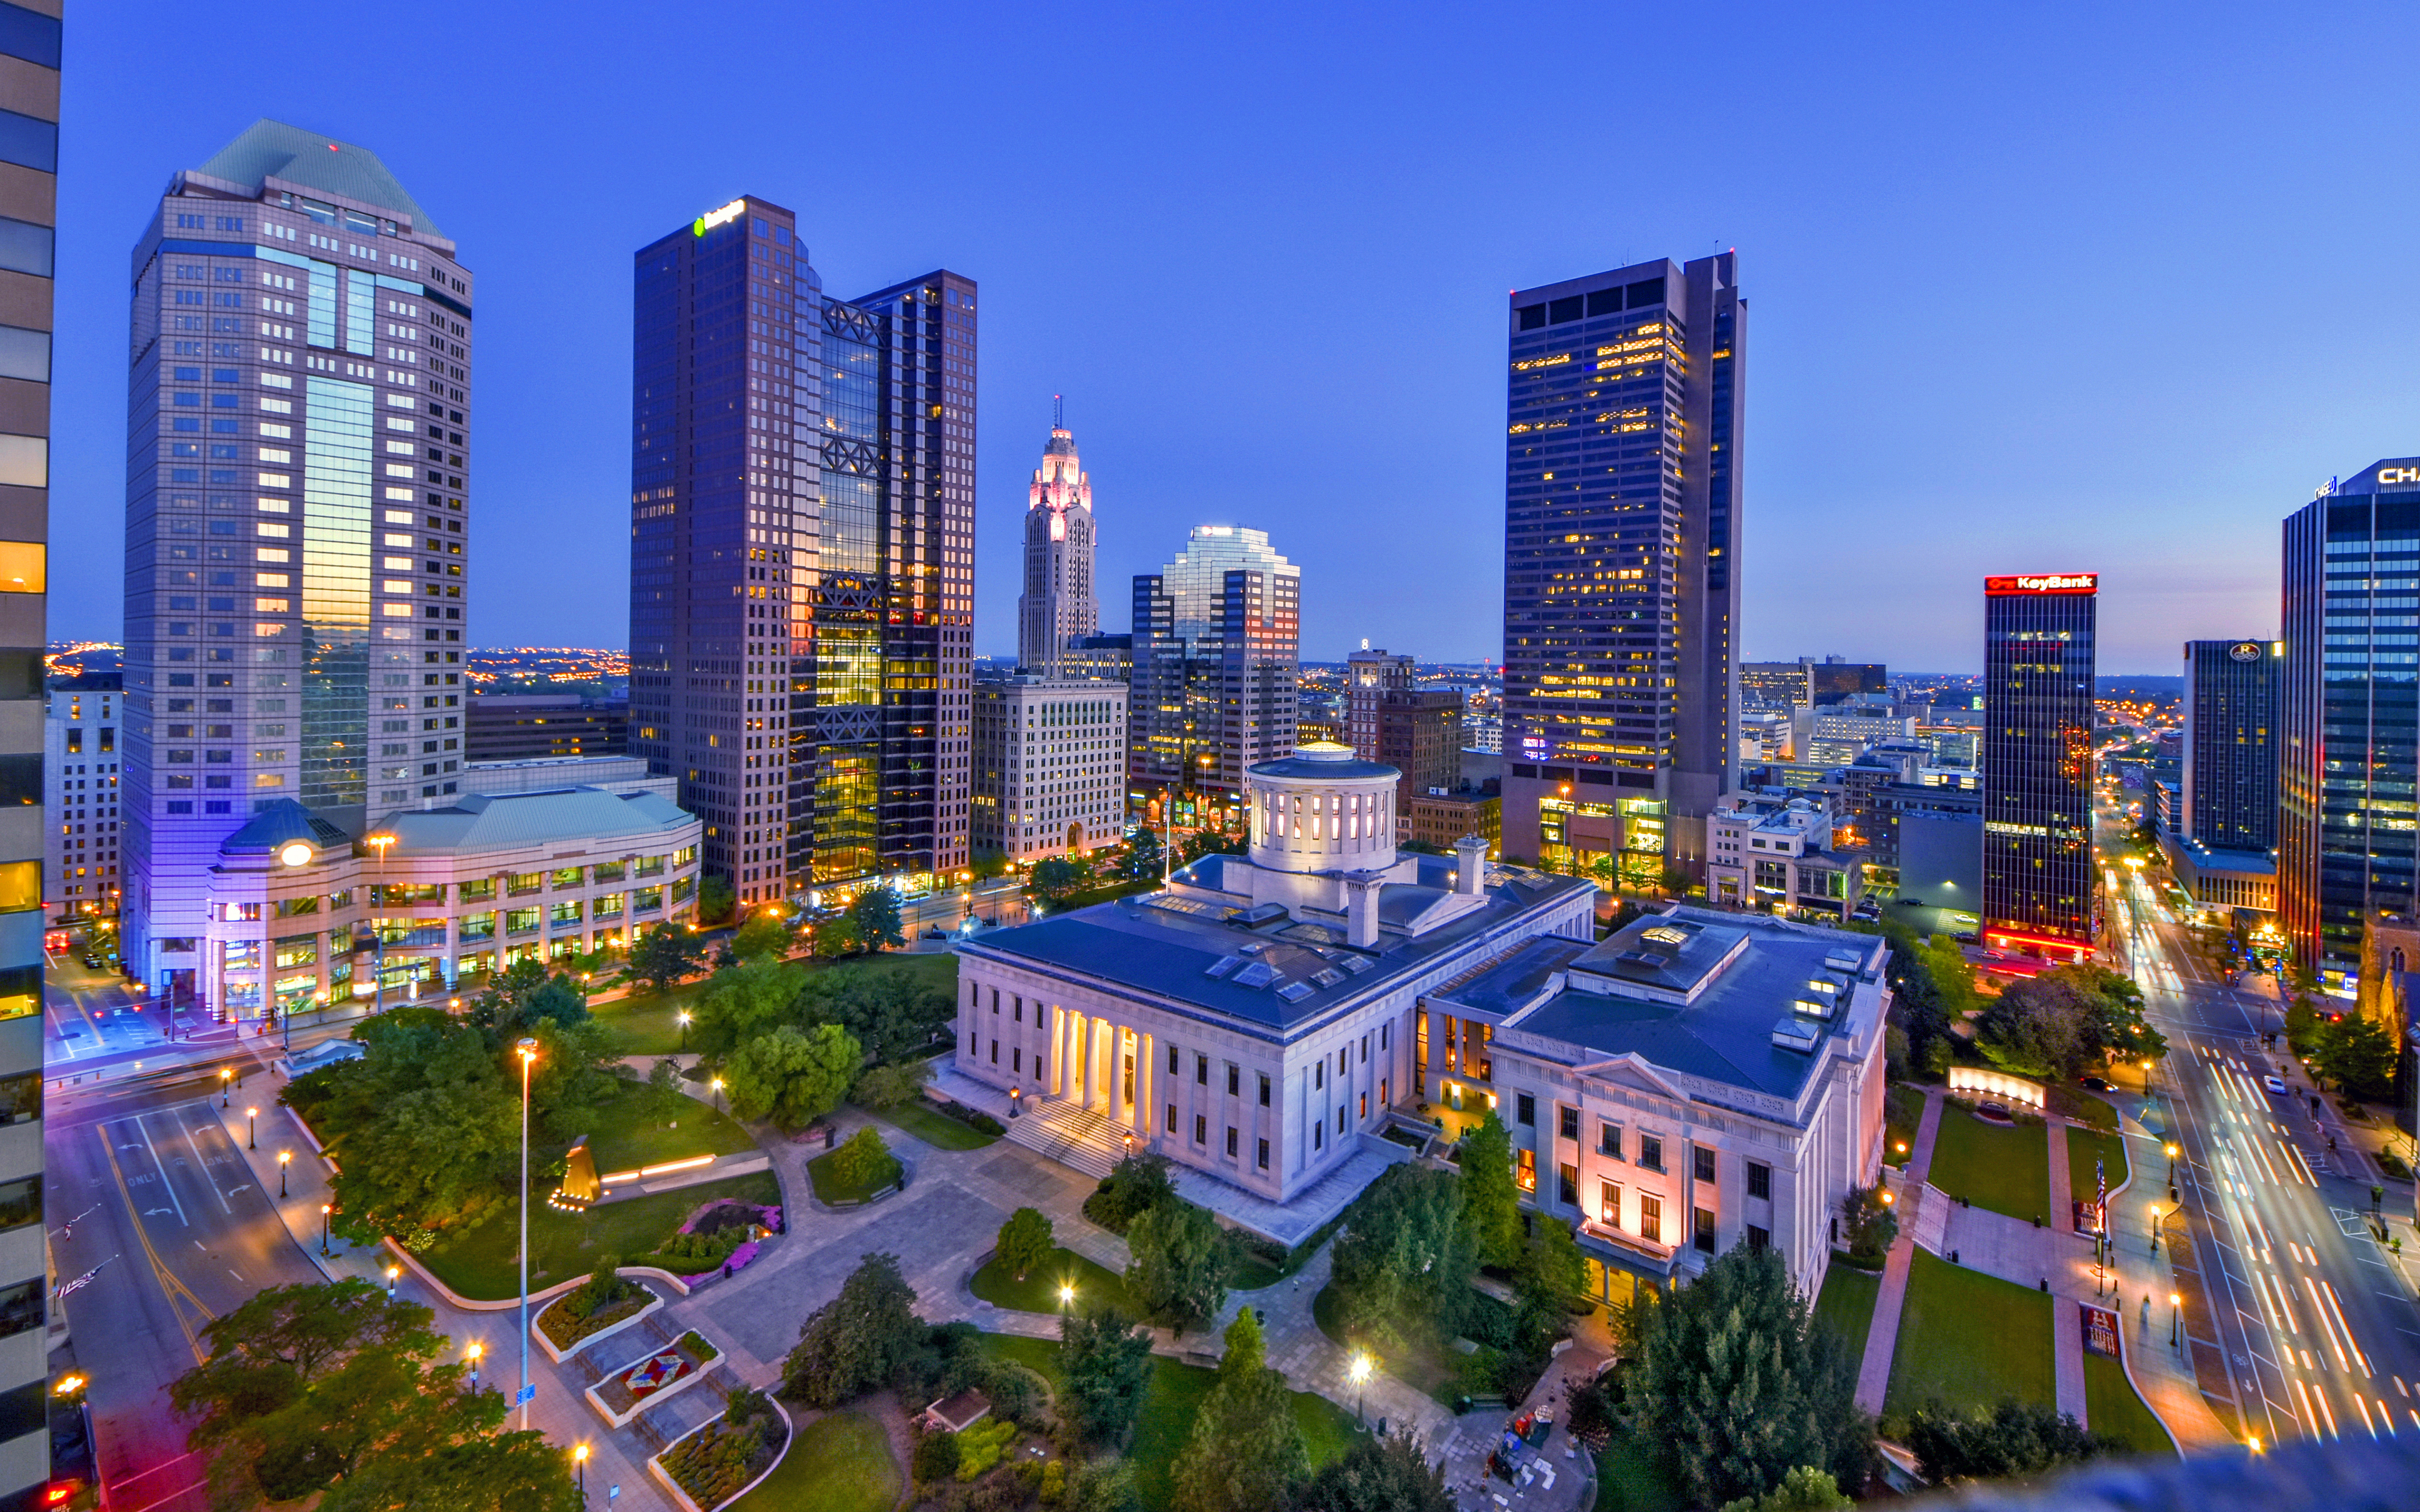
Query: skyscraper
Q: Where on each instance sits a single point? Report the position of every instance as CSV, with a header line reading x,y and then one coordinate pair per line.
x,y
1218,646
2231,765
1369,677
2349,773
1622,531
30,93
2037,751
801,556
296,531
1057,604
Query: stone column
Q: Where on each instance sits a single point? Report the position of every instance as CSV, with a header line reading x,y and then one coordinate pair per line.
x,y
1054,1045
1118,1073
1087,1036
1146,1089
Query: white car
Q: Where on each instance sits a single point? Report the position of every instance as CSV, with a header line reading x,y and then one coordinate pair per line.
x,y
2276,1088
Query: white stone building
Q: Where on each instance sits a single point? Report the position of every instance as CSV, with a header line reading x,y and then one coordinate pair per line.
x,y
1697,1081
82,720
1049,766
1774,854
1255,1021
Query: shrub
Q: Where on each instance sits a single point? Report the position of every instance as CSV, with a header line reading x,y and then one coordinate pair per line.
x,y
863,1159
936,1457
981,1446
1019,1394
713,1465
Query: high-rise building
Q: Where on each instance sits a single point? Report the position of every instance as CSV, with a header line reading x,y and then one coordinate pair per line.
x,y
1369,676
801,556
1622,532
1050,767
81,784
2229,790
524,727
299,410
30,93
1058,605
1777,684
2036,748
1218,644
2349,772
1420,735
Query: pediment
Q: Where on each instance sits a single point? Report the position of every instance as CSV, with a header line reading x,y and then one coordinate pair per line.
x,y
1635,1072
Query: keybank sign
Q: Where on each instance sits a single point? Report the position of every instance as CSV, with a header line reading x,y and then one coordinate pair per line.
x,y
723,216
2070,582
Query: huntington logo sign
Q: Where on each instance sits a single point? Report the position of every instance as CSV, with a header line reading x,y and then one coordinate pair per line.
x,y
2056,582
724,215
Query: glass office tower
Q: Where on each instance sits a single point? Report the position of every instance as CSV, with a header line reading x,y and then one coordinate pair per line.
x,y
802,557
2230,768
1218,648
29,105
2037,756
2349,767
299,405
1622,538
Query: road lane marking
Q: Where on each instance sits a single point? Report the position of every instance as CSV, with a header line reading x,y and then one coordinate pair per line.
x,y
159,1166
202,1168
169,1285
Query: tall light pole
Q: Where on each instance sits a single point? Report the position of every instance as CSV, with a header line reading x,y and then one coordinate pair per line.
x,y
285,1158
252,1127
579,1459
528,1050
2176,1316
1360,1386
379,842
476,1349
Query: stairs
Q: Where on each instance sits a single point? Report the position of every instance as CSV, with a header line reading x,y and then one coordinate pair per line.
x,y
1070,1136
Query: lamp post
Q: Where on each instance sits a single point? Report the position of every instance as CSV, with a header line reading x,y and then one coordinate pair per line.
x,y
226,1077
1361,1373
324,1211
394,1272
1066,1295
2176,1317
285,1158
718,1094
378,842
528,1050
474,1351
683,1016
580,1461
252,1127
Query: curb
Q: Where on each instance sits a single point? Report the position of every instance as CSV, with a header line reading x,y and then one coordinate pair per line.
x,y
683,1499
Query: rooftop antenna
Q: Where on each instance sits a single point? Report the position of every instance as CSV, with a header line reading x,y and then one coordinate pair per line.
x,y
1058,413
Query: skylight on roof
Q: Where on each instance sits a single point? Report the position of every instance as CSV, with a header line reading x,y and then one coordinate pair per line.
x,y
1255,973
1664,935
1295,991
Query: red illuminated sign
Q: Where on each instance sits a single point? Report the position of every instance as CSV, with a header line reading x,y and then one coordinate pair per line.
x,y
2044,582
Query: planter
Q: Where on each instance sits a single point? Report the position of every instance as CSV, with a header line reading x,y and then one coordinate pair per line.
x,y
558,1353
679,1285
620,1417
688,1504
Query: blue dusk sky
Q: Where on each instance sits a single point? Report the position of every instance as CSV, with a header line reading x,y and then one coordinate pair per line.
x,y
2051,287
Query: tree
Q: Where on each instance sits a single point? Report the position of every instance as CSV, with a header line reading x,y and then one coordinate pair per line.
x,y
664,956
789,1076
1181,1259
2358,1056
2036,1026
862,1160
835,938
891,1013
887,1086
741,1002
936,1457
1403,1263
1552,1272
1054,877
336,1388
1137,1184
1025,1240
1804,1490
424,1125
1246,1452
1870,1224
1106,1361
1378,1475
2014,1439
989,861
1491,1202
1734,1384
859,1341
766,936
1144,854
716,901
875,911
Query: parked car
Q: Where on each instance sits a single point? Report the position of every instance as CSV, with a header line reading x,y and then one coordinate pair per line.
x,y
2276,1088
2096,1084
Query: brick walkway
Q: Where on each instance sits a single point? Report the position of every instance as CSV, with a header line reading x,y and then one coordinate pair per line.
x,y
1882,1340
2066,1323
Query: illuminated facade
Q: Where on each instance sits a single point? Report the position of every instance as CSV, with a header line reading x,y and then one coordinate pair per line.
x,y
299,405
1622,520
1217,641
1058,605
802,557
2037,751
2347,763
1050,767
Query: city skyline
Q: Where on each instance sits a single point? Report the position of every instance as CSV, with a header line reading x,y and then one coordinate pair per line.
x,y
1161,396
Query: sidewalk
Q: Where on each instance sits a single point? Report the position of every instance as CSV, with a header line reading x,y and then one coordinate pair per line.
x,y
2066,1330
1882,1339
2163,1374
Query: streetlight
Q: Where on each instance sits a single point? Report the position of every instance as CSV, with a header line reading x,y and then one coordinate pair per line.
x,y
474,1351
718,1094
379,842
579,1459
683,1016
1066,1295
252,1127
285,1158
528,1052
2176,1316
226,1076
324,1211
1360,1374
393,1274
2146,1080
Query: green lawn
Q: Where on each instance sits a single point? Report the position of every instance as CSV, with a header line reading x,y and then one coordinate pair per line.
x,y
1846,1306
1039,1291
2112,1406
481,1264
2082,1149
937,1129
1170,1405
1969,1339
621,1137
840,1462
1902,1110
2085,1108
1993,1166
649,1021
829,1188
1629,1480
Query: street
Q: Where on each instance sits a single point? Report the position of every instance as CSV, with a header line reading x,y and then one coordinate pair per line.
x,y
2311,1327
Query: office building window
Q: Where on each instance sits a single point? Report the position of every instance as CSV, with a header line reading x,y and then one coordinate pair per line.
x,y
1608,1204
1263,1155
1705,1235
1650,1218
1230,1141
1172,1117
1650,1153
1235,1081
1758,1238
1760,1179
1526,1109
1264,1088
1703,1160
1201,1129
1567,1185
1608,1139
1567,1123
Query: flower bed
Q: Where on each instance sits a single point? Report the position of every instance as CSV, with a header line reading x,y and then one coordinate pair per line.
x,y
653,1377
719,1237
724,1457
576,1319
